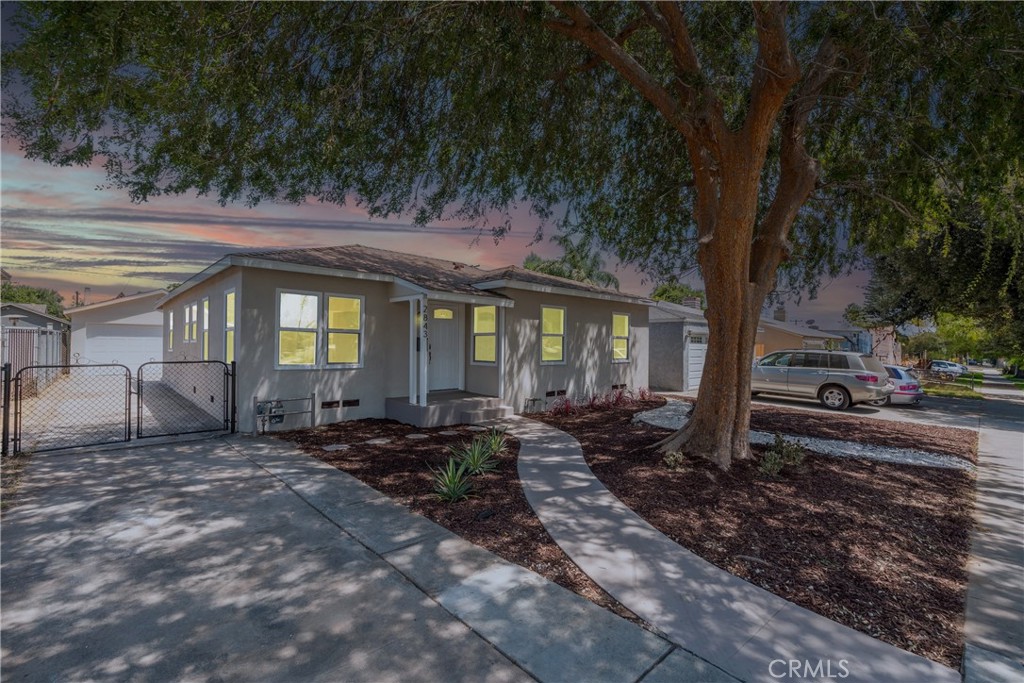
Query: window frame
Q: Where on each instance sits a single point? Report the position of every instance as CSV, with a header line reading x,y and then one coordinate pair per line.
x,y
170,330
474,334
317,330
193,326
629,330
204,331
230,295
327,330
563,335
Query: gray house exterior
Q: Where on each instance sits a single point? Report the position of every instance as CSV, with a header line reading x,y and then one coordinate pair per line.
x,y
373,333
679,342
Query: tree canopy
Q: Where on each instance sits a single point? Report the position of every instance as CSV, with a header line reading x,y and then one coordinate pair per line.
x,y
677,292
12,293
755,140
578,262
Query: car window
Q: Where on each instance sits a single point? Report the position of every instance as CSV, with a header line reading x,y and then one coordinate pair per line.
x,y
798,360
838,362
893,372
872,364
779,360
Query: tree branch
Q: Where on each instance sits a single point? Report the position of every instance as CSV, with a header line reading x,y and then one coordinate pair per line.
x,y
596,60
775,72
580,27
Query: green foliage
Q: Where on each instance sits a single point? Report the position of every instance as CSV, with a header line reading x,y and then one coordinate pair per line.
x,y
451,481
675,292
577,262
961,335
779,455
476,456
497,442
674,461
23,294
951,391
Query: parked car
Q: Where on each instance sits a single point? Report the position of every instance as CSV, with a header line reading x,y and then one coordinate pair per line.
x,y
839,379
946,367
906,388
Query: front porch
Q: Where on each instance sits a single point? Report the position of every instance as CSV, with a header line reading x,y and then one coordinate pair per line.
x,y
446,408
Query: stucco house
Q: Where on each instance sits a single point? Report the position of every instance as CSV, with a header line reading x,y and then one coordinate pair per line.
x,y
375,333
127,330
773,335
30,315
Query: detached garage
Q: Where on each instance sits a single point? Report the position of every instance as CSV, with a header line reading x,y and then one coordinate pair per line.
x,y
127,330
678,346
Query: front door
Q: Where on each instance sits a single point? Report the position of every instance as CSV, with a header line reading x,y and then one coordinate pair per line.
x,y
444,330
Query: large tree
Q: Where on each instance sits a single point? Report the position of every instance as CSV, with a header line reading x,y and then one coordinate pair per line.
x,y
578,262
744,137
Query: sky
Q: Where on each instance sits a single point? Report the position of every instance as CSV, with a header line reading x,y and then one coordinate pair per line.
x,y
62,229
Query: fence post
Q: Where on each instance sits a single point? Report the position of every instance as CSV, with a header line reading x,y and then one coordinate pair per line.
x,y
234,408
7,406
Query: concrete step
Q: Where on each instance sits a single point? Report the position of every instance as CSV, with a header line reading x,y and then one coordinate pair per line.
x,y
481,414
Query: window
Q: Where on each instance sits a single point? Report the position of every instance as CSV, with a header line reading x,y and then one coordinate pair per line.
x,y
552,334
170,330
229,327
206,329
188,324
443,314
620,337
485,334
297,328
344,330
777,360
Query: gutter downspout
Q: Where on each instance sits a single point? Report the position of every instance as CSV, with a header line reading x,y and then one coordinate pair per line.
x,y
424,358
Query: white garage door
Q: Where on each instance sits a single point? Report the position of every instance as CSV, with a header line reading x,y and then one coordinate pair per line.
x,y
130,345
696,350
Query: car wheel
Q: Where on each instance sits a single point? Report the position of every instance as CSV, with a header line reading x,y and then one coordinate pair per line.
x,y
881,402
835,398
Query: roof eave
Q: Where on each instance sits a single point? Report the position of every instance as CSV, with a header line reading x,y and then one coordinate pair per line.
x,y
564,291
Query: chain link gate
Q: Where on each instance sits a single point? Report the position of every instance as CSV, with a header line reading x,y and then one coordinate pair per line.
x,y
184,397
52,407
63,406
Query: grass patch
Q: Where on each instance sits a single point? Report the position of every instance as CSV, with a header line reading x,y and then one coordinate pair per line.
x,y
951,391
967,381
11,471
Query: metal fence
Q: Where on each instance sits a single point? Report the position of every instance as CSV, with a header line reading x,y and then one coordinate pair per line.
x,y
25,347
51,407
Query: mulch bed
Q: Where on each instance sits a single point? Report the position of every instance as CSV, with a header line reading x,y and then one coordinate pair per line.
x,y
881,548
497,517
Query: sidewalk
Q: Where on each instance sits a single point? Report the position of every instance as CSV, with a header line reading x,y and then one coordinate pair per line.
x,y
743,629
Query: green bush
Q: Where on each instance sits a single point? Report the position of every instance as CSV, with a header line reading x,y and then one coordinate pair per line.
x,y
451,481
476,456
496,441
781,454
674,461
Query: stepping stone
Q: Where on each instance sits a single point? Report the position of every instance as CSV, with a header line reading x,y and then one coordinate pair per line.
x,y
448,433
336,447
380,441
474,428
417,437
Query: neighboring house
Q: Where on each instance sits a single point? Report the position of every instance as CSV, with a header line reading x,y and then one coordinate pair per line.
x,y
31,315
885,346
773,335
854,339
127,330
5,276
679,343
375,333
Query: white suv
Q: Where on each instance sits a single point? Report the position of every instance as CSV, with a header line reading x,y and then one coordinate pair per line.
x,y
838,379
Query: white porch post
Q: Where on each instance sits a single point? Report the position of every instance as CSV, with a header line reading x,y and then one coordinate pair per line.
x,y
424,359
501,352
412,351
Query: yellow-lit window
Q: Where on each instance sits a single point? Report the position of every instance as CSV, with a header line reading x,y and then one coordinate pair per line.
x,y
170,330
344,330
229,327
188,324
620,337
206,329
552,334
297,328
443,314
485,337
194,322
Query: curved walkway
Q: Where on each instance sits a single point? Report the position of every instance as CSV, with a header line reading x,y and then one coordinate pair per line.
x,y
740,628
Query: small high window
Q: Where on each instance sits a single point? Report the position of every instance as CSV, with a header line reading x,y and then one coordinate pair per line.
x,y
443,314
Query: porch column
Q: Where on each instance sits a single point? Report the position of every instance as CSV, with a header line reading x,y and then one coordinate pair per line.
x,y
412,351
501,352
424,359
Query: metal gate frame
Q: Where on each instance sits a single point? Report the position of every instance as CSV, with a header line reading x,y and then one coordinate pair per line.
x,y
12,402
229,414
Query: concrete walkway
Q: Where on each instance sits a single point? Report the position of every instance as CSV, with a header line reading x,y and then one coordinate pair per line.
x,y
241,559
745,630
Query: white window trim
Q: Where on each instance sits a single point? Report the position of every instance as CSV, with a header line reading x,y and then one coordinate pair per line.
x,y
204,328
170,330
318,330
629,334
564,335
473,334
233,328
361,332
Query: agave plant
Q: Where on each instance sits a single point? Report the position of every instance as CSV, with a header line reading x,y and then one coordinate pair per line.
x,y
496,441
475,456
451,481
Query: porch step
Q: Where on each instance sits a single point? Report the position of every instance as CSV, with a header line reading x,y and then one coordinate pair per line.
x,y
481,414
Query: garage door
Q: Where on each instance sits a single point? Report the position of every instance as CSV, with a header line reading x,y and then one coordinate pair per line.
x,y
696,351
130,345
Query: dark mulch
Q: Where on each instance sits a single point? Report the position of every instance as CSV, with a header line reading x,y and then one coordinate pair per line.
x,y
497,518
878,547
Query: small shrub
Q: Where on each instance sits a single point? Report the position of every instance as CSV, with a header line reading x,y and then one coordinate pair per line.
x,y
781,454
496,441
451,481
620,397
644,394
771,463
476,456
597,402
563,405
674,461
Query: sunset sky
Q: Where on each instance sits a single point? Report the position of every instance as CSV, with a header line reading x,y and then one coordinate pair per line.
x,y
62,229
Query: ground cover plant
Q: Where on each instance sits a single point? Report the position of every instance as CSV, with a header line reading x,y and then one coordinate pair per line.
x,y
881,548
